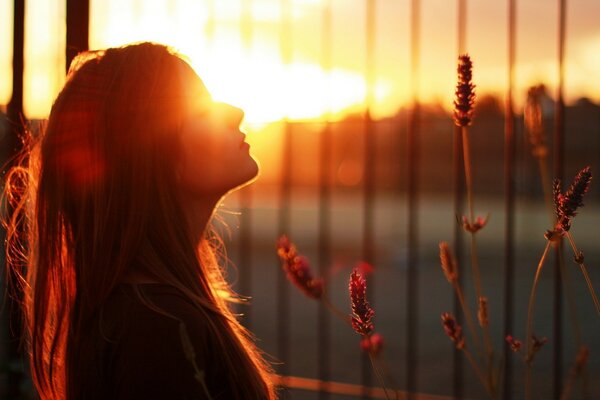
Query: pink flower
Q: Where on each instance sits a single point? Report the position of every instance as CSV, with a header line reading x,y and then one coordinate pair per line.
x,y
453,330
372,344
473,227
515,345
361,310
567,204
298,270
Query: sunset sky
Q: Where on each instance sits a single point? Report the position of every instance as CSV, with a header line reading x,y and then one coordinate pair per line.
x,y
251,73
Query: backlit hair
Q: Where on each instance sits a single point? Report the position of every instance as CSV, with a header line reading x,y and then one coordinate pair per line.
x,y
95,197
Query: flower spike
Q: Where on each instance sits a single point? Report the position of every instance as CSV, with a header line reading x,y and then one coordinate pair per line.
x,y
567,204
362,313
448,263
465,92
453,330
298,270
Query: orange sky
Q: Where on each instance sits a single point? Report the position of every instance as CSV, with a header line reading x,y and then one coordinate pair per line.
x,y
251,73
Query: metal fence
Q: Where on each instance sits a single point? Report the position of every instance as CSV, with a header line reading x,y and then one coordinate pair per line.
x,y
302,336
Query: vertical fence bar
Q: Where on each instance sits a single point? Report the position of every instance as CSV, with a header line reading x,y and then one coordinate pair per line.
x,y
12,146
283,295
369,171
559,139
412,291
509,201
78,23
458,187
324,236
245,195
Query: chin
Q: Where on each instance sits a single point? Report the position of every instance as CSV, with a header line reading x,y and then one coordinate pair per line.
x,y
251,174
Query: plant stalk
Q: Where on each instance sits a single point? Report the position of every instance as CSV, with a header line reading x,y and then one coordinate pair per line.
x,y
528,337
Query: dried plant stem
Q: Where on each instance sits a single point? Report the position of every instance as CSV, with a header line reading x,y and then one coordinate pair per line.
x,y
335,311
468,175
379,376
478,372
487,343
584,272
529,333
467,311
546,185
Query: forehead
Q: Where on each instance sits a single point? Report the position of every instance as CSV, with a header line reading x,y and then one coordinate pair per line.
x,y
192,87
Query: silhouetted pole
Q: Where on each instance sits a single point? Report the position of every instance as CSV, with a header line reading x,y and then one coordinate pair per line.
x,y
78,26
509,202
459,200
412,292
283,293
369,172
324,236
559,140
11,145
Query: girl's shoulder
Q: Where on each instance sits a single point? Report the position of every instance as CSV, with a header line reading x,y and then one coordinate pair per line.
x,y
158,350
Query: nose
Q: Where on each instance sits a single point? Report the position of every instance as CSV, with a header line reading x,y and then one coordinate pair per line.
x,y
230,115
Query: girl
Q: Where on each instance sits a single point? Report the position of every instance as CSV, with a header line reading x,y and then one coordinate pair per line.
x,y
122,294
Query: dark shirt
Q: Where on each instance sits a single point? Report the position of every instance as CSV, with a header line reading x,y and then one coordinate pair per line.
x,y
140,354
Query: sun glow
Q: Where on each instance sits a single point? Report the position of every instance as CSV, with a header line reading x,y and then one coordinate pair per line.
x,y
235,45
251,76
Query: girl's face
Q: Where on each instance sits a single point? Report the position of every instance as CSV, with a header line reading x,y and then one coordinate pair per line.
x,y
215,158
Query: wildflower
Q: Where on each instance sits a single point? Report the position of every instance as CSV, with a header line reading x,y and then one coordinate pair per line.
x,y
567,204
361,310
298,270
482,314
372,344
515,344
453,330
536,345
533,121
479,223
285,249
465,95
448,263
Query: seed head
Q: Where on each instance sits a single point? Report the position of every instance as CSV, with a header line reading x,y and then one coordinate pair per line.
x,y
362,313
534,121
567,204
482,313
536,345
372,344
474,226
515,345
297,269
448,263
453,330
465,94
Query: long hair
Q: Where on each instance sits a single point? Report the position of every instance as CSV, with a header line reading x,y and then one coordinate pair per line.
x,y
96,197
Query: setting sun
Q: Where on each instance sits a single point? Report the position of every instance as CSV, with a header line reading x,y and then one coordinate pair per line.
x,y
237,47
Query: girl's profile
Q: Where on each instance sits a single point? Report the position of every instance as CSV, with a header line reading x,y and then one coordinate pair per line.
x,y
110,239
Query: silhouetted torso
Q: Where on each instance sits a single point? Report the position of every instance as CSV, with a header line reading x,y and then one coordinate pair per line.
x,y
139,353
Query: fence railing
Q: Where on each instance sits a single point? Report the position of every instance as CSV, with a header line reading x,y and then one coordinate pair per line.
x,y
407,193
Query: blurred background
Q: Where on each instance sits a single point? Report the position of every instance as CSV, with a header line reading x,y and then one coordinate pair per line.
x,y
349,112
